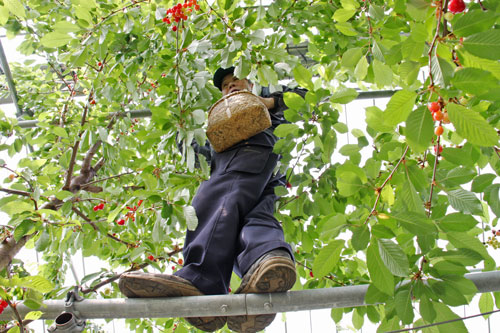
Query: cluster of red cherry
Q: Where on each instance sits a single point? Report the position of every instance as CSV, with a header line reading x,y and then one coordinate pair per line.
x,y
180,12
130,215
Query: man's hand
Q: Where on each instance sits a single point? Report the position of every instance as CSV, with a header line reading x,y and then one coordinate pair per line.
x,y
268,102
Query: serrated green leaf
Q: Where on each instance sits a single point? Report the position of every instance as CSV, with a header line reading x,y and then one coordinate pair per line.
x,y
285,129
472,126
383,73
427,310
55,39
419,130
4,15
16,207
66,26
484,44
442,71
474,22
15,7
327,258
474,80
457,222
37,283
486,303
23,228
481,182
303,77
492,197
344,95
360,238
191,218
293,101
461,240
415,223
342,14
399,107
361,69
380,276
403,305
33,315
464,201
348,183
393,257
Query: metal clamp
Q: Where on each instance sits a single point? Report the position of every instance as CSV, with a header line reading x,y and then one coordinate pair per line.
x,y
68,320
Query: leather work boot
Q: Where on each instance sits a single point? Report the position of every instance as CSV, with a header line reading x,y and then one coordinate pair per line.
x,y
140,284
271,273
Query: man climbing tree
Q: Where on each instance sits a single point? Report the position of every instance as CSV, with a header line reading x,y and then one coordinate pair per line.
x,y
236,226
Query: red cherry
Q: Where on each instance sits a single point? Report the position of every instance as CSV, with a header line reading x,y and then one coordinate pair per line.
x,y
92,102
166,20
288,185
180,261
497,233
439,130
3,304
140,202
438,116
96,208
434,107
440,149
311,274
197,7
151,258
99,64
121,222
174,28
456,6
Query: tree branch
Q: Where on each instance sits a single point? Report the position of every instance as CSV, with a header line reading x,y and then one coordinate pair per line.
x,y
10,248
16,192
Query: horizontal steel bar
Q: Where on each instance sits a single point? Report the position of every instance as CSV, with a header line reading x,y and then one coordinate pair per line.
x,y
225,305
147,113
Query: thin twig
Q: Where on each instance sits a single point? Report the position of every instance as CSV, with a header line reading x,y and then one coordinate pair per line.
x,y
436,36
107,178
18,316
221,17
433,182
25,323
18,175
16,192
379,189
115,277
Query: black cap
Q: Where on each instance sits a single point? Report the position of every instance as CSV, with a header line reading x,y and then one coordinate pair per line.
x,y
220,74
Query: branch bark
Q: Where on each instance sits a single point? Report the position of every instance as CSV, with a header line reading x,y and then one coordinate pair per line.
x,y
10,248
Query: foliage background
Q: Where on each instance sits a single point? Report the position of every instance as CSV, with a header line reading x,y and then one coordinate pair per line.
x,y
403,213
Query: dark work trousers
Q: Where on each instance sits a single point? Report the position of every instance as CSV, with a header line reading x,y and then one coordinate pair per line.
x,y
236,223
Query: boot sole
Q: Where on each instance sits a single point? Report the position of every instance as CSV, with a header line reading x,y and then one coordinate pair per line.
x,y
138,285
274,275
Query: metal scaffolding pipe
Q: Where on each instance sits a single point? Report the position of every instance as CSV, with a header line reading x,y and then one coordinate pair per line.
x,y
10,80
147,113
226,305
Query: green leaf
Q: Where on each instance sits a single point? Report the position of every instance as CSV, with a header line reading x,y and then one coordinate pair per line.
x,y
4,15
15,7
383,74
492,197
415,223
486,304
403,305
293,100
381,276
442,71
464,201
361,69
284,130
342,14
457,176
473,22
399,107
303,77
484,44
351,57
37,283
346,29
23,228
427,310
461,240
348,183
375,120
191,218
480,183
457,222
471,126
344,95
393,257
33,315
474,80
55,39
360,237
16,207
65,27
419,130
327,258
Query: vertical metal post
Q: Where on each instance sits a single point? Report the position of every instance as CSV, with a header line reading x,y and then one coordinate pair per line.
x,y
10,81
